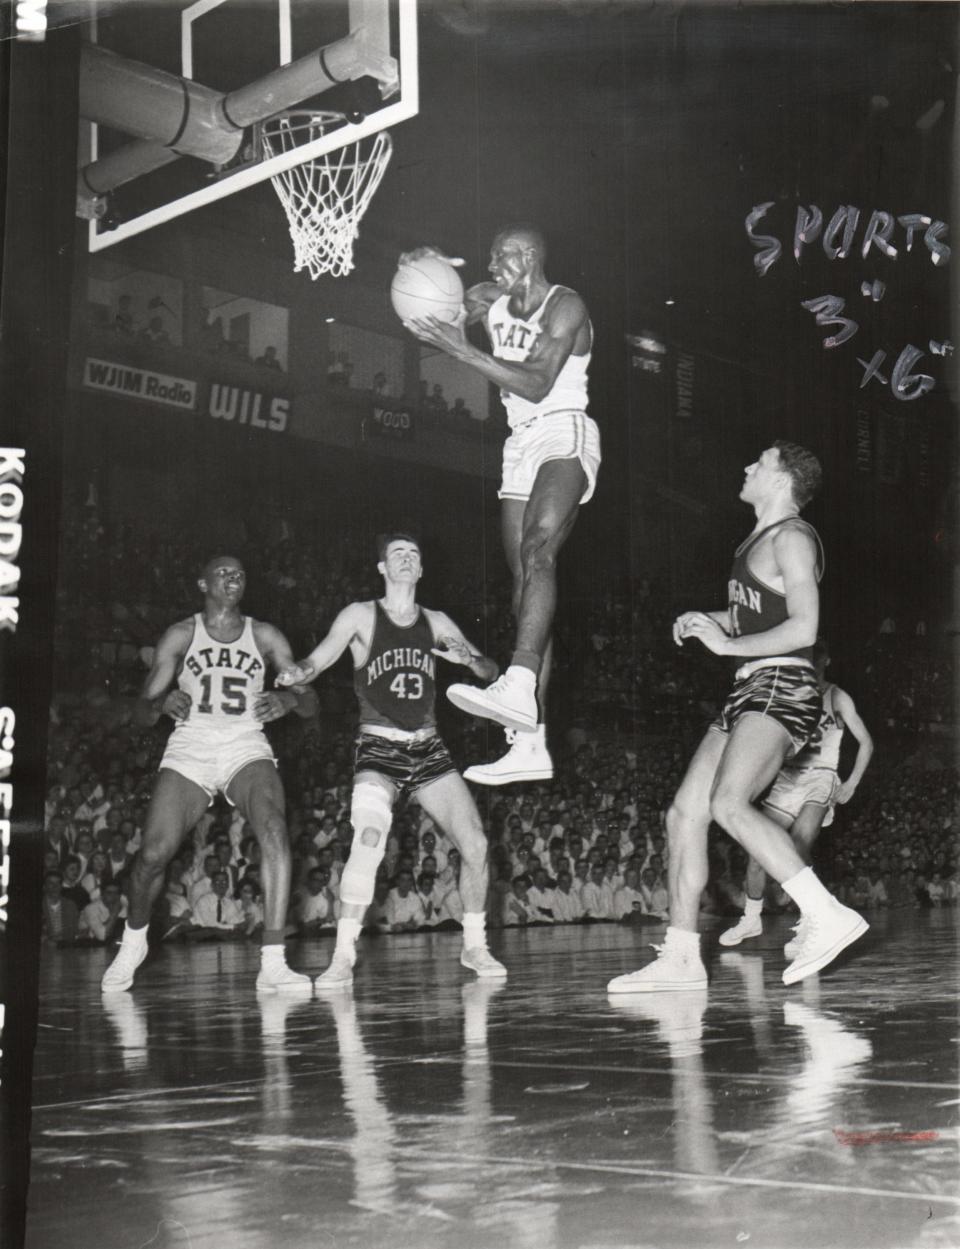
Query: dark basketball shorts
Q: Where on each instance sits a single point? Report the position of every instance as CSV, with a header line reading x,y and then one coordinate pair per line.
x,y
409,765
786,693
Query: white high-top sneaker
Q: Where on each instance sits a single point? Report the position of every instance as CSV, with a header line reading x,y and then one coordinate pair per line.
x,y
511,700
750,924
527,760
823,934
677,967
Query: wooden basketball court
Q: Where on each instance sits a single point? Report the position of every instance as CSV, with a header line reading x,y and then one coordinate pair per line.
x,y
427,1108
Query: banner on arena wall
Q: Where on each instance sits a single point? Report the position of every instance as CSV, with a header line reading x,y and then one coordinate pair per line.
x,y
864,443
393,423
683,384
133,383
891,433
255,408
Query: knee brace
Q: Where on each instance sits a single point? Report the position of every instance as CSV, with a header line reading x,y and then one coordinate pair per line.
x,y
371,810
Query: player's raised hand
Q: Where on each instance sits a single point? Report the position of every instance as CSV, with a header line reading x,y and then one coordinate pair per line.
x,y
177,704
299,674
271,705
418,253
453,650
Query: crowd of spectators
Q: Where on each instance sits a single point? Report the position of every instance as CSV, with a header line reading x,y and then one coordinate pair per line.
x,y
587,847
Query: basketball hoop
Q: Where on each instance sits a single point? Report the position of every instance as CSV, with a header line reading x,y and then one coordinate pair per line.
x,y
324,198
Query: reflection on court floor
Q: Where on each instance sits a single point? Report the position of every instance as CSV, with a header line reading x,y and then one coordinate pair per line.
x,y
424,1107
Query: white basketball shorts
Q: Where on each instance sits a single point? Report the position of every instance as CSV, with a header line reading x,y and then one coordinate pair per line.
x,y
796,788
211,760
556,436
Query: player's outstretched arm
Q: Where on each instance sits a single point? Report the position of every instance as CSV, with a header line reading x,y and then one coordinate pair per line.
x,y
156,697
452,646
347,625
847,711
273,704
531,379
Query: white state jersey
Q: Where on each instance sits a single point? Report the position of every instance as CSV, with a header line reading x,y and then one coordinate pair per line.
x,y
223,680
826,754
513,338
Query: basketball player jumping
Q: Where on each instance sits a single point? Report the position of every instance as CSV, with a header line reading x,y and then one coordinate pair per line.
x,y
541,339
393,642
769,627
805,792
208,676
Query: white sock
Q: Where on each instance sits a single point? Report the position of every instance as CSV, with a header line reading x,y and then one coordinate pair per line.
x,y
689,941
522,675
273,953
807,891
348,930
134,936
474,929
753,908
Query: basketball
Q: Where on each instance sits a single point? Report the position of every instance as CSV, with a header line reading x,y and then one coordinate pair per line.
x,y
426,287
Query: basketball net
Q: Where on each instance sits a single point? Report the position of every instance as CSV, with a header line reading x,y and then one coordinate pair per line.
x,y
324,198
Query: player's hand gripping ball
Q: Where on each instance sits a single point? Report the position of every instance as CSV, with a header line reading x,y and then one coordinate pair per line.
x,y
426,287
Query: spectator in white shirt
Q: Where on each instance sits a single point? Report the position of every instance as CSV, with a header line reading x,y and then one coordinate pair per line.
x,y
567,908
628,902
597,895
248,895
430,849
313,908
935,889
430,897
540,896
655,896
211,865
216,915
95,874
101,920
404,910
581,874
517,909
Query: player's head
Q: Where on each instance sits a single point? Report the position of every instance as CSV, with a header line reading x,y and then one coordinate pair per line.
x,y
223,577
517,251
803,469
399,557
821,656
783,469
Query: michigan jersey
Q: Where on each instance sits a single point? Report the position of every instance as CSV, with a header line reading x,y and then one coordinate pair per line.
x,y
755,607
396,683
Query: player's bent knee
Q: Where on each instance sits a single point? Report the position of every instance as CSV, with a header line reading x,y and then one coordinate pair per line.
x,y
154,856
725,808
273,827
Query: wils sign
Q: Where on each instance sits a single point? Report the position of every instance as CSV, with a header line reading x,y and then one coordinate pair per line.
x,y
248,407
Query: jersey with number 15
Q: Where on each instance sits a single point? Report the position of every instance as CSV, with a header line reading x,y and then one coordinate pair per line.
x,y
223,680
